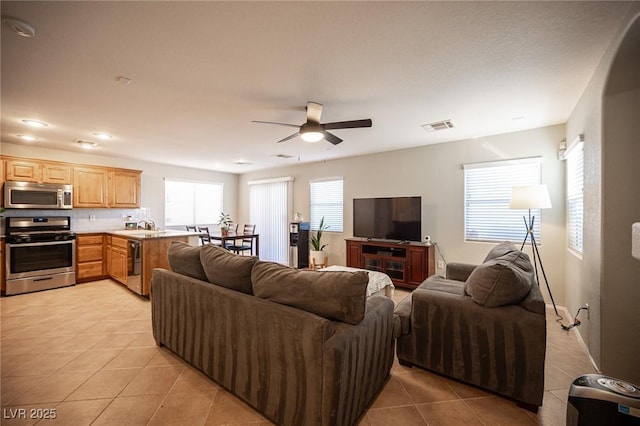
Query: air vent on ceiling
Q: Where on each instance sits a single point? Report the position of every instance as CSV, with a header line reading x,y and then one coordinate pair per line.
x,y
283,156
439,125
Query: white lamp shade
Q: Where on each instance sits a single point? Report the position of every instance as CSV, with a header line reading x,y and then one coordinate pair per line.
x,y
530,197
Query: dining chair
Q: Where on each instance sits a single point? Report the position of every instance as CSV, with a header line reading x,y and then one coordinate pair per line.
x,y
191,228
205,237
245,243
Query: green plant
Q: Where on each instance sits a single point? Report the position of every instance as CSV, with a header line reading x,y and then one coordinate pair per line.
x,y
224,221
315,239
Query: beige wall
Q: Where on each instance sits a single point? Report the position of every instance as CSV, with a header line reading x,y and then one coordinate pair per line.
x,y
152,184
614,326
435,173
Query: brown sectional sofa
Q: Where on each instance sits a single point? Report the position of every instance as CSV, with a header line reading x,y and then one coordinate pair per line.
x,y
484,325
301,347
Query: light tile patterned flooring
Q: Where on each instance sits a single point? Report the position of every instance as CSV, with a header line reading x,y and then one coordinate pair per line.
x,y
87,351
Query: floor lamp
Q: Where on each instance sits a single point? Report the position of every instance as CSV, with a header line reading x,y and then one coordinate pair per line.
x,y
532,197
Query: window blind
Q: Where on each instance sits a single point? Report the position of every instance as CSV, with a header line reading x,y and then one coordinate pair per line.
x,y
268,210
487,191
575,196
326,200
191,203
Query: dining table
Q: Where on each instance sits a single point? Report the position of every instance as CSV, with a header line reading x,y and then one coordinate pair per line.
x,y
230,238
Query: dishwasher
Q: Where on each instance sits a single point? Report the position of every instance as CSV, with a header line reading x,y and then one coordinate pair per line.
x,y
134,266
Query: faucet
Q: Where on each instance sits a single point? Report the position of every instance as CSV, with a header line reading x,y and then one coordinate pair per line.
x,y
149,225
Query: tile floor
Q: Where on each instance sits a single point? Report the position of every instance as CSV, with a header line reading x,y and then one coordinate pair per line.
x,y
87,352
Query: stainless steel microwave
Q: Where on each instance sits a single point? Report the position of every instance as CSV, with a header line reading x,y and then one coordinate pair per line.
x,y
30,195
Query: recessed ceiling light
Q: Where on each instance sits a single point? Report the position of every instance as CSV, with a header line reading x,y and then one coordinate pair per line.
x,y
519,117
103,136
86,144
19,26
27,137
242,162
34,123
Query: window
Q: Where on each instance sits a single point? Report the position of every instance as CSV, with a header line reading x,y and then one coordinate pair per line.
x,y
575,197
487,191
191,203
269,204
326,197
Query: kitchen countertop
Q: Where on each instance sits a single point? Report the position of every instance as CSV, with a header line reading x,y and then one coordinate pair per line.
x,y
141,234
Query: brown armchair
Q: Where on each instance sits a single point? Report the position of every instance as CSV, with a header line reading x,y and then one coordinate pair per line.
x,y
481,325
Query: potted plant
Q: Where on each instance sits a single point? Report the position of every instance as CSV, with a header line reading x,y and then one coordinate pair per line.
x,y
317,253
224,222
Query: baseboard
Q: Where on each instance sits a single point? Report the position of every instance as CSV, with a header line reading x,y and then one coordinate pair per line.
x,y
580,339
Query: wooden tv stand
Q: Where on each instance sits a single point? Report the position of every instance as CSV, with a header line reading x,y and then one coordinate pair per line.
x,y
407,264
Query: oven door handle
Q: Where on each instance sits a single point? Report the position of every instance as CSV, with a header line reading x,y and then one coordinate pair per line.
x,y
39,244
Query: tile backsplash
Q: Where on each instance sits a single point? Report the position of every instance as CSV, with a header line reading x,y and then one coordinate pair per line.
x,y
81,219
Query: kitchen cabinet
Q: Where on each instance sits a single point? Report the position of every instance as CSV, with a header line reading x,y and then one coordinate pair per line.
x,y
124,189
56,173
3,282
27,170
90,257
154,255
90,187
119,254
23,170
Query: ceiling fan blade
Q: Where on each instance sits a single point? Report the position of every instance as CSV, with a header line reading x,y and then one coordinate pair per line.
x,y
314,111
271,122
348,124
331,138
289,137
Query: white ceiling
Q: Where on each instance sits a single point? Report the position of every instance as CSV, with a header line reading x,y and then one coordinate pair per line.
x,y
201,71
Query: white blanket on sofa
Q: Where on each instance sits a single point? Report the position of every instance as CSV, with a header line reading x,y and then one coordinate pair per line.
x,y
377,280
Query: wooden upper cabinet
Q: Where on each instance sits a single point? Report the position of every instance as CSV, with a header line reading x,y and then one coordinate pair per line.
x,y
90,187
23,170
56,173
37,171
124,189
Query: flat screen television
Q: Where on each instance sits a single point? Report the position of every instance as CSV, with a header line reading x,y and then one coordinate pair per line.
x,y
390,218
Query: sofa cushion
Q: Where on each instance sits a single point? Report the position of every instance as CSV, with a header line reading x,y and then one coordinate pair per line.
x,y
504,280
335,295
185,259
227,269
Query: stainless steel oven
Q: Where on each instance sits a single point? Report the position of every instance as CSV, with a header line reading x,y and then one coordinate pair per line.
x,y
41,253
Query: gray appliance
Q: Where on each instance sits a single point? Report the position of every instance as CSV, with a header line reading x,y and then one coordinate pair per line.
x,y
595,399
41,253
31,195
134,266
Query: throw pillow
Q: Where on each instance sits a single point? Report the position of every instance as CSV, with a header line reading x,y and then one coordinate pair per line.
x,y
227,269
500,250
505,280
185,259
335,295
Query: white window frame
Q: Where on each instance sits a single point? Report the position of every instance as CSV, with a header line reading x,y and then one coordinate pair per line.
x,y
326,199
487,192
575,197
198,214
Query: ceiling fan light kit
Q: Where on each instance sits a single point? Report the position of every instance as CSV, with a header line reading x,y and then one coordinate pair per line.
x,y
314,131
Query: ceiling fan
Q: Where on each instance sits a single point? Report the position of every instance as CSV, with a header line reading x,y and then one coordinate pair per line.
x,y
314,131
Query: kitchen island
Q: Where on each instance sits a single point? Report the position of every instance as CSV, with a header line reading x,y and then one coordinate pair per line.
x,y
127,256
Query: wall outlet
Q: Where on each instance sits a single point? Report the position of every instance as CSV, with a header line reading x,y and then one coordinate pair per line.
x,y
440,264
92,218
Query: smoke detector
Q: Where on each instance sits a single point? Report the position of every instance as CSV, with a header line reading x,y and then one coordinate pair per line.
x,y
18,26
439,125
